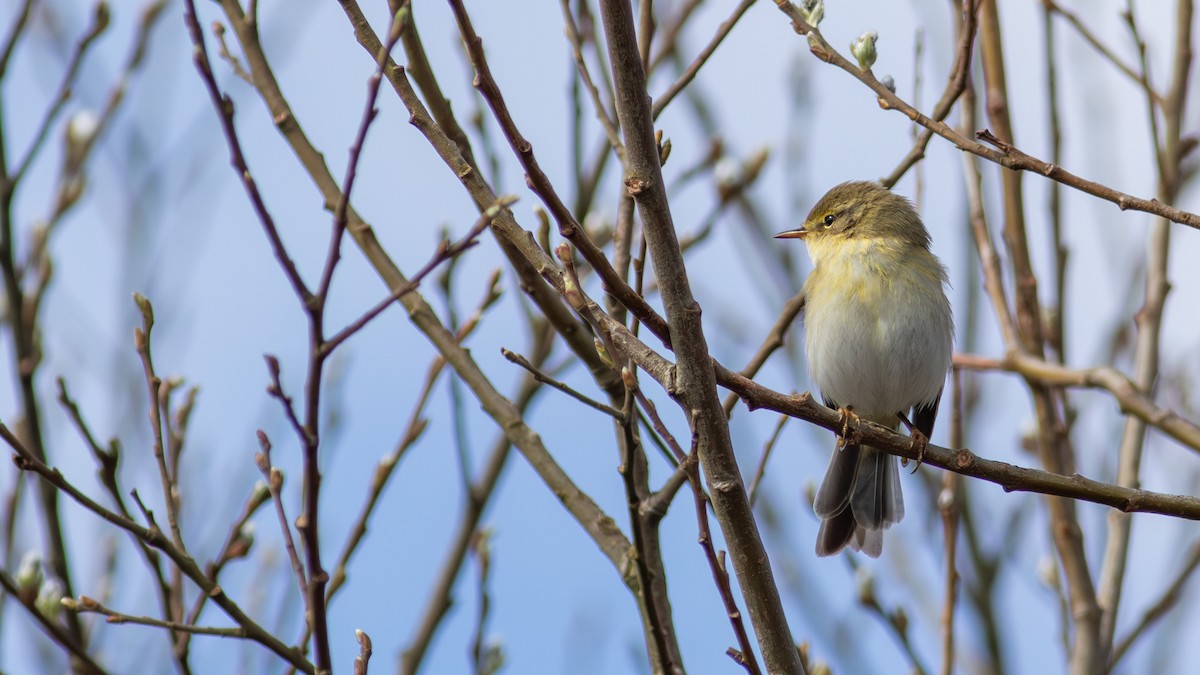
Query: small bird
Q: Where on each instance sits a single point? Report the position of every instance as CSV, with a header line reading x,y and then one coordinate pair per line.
x,y
879,335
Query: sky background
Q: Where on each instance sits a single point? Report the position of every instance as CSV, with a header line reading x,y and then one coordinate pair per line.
x,y
164,216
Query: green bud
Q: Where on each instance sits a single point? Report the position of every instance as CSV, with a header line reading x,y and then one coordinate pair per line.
x,y
813,11
49,599
863,49
29,574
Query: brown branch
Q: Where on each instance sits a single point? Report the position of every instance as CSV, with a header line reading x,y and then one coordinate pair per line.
x,y
27,461
568,226
773,341
695,385
51,627
663,100
959,75
665,656
86,605
690,463
1150,317
1011,478
561,386
1170,597
1129,397
963,461
439,129
1090,37
1004,154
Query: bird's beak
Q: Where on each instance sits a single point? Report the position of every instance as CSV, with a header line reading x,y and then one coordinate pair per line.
x,y
793,234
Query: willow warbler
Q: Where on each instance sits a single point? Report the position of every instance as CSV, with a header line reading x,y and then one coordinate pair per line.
x,y
878,339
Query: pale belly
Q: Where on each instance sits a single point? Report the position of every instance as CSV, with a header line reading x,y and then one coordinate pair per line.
x,y
879,353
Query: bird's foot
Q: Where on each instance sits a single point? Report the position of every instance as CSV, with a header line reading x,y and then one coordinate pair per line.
x,y
848,436
920,441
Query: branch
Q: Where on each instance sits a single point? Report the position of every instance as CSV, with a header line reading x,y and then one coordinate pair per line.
x,y
1132,401
51,627
27,461
1004,154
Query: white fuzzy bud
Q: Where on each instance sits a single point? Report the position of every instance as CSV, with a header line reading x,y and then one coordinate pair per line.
x,y
863,49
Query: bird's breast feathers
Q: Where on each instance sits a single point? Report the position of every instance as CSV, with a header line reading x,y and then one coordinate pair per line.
x,y
878,329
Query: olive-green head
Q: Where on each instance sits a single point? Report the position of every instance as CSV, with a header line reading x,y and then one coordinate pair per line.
x,y
863,211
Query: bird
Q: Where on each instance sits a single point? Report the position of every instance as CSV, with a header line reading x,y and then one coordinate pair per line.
x,y
879,334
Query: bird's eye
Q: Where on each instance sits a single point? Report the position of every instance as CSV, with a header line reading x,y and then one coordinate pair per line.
x,y
829,220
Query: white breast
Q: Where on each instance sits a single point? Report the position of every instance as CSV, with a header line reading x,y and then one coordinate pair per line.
x,y
880,346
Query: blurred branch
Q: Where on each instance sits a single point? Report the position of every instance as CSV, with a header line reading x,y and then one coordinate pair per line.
x,y
107,469
663,100
100,19
1149,318
895,620
1157,610
1090,37
51,627
959,74
773,341
27,461
766,454
15,34
610,127
1131,399
950,508
86,605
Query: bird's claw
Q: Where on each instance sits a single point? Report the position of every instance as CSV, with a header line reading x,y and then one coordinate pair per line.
x,y
848,436
919,441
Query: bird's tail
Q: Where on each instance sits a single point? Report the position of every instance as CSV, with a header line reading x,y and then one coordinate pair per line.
x,y
858,499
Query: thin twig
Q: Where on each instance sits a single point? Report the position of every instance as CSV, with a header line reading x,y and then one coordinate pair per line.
x,y
664,99
561,386
152,535
1095,42
1170,597
1003,153
691,464
601,110
445,251
87,605
274,478
766,454
51,627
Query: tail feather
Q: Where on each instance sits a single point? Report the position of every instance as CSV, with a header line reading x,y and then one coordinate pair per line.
x,y
859,498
